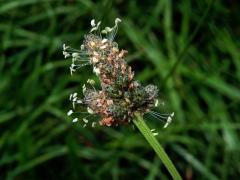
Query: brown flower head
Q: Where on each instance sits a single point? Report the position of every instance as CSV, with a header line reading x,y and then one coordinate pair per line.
x,y
120,95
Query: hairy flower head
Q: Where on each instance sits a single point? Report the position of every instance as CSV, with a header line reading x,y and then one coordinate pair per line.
x,y
120,95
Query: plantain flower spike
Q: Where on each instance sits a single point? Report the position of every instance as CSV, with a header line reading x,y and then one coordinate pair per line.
x,y
120,96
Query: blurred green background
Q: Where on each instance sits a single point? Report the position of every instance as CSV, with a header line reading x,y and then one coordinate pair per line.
x,y
189,49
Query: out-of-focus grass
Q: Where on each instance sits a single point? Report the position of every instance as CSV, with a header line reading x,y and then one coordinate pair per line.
x,y
38,141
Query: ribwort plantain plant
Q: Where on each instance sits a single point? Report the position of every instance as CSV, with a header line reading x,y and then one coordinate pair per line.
x,y
121,99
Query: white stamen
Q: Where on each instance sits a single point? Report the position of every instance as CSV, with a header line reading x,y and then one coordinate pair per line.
x,y
166,125
155,134
156,103
70,112
82,47
93,29
66,54
108,29
85,120
90,111
98,24
96,27
96,70
94,124
84,88
75,120
74,95
91,81
74,55
70,98
117,20
104,32
64,47
93,23
169,120
74,99
79,102
72,70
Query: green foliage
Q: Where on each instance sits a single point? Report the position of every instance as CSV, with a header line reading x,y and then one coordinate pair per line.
x,y
146,132
38,140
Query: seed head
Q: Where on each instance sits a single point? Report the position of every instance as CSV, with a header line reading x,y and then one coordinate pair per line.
x,y
120,95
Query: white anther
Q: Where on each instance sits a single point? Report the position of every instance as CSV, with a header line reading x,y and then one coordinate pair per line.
x,y
70,112
89,110
84,88
74,55
108,29
166,125
82,47
70,97
93,29
104,32
65,47
117,20
74,99
169,120
96,70
79,101
72,70
93,23
66,54
91,81
85,120
98,24
75,120
94,124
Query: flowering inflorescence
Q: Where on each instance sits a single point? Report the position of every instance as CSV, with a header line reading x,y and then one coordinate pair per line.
x,y
120,96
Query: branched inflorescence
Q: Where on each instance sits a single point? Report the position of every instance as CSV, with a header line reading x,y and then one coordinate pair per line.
x,y
120,95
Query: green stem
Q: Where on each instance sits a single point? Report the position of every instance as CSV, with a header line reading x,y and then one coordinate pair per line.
x,y
146,132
